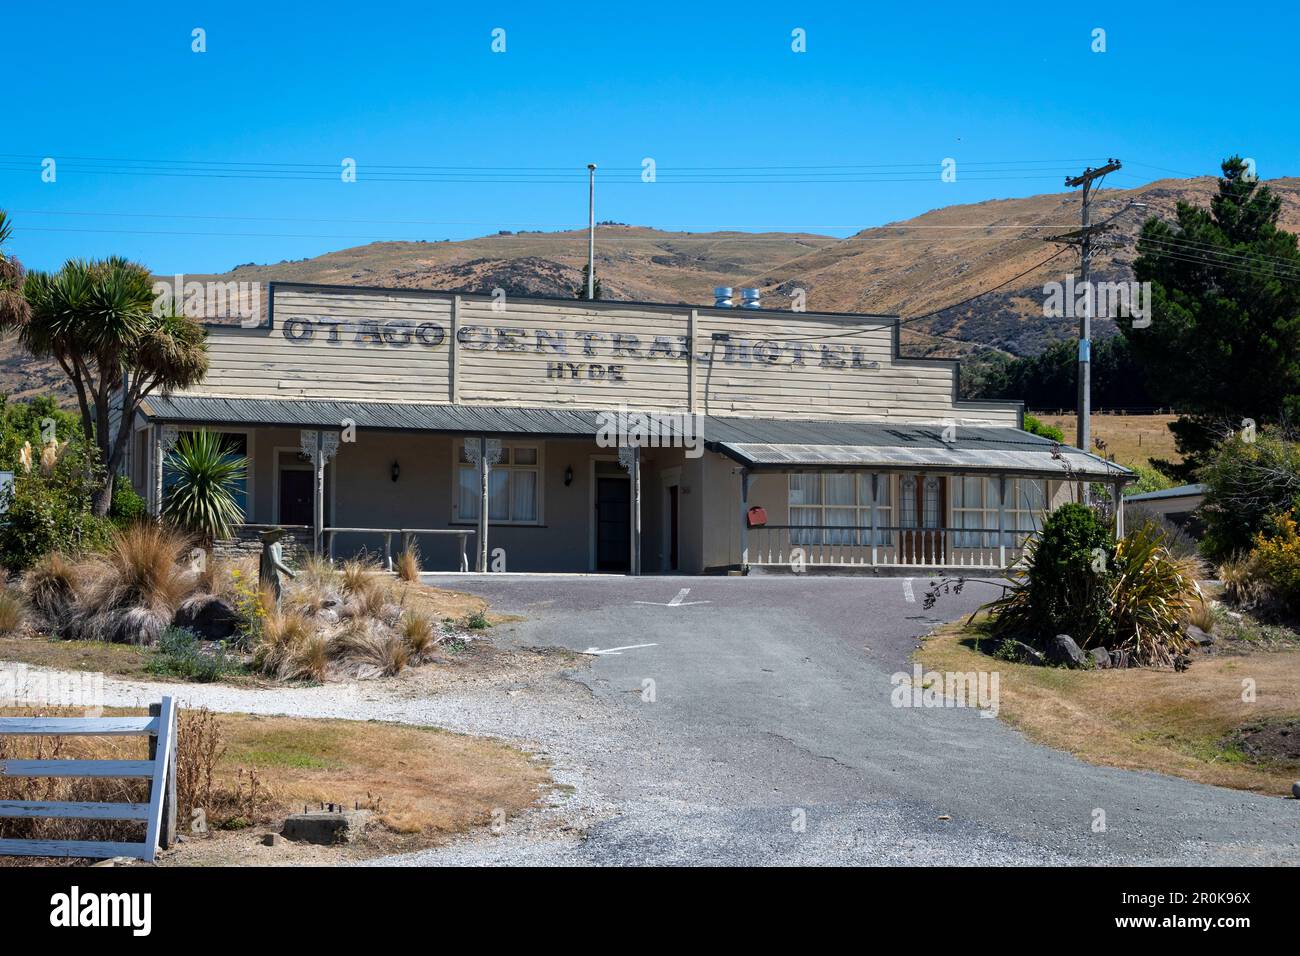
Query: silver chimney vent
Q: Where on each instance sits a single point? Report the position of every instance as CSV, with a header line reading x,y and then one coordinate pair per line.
x,y
751,299
722,298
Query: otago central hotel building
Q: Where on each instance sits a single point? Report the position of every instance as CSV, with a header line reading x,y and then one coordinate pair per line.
x,y
610,436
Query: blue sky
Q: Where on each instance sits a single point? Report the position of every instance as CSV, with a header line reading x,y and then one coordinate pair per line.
x,y
1014,94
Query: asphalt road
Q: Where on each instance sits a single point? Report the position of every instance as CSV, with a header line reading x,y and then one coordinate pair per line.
x,y
767,736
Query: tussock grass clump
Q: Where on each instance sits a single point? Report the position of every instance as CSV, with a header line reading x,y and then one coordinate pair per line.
x,y
280,646
12,611
52,588
136,585
408,563
371,650
417,631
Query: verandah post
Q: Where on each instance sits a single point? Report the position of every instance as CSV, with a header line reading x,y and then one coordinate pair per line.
x,y
744,521
1002,521
875,501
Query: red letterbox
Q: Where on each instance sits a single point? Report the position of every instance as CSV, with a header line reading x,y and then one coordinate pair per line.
x,y
757,517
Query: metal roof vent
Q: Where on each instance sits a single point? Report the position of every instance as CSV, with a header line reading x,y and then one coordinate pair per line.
x,y
751,299
722,298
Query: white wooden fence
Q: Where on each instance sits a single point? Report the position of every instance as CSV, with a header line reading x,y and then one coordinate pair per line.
x,y
159,814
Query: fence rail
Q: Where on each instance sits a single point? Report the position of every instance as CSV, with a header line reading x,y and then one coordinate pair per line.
x,y
406,534
158,815
884,546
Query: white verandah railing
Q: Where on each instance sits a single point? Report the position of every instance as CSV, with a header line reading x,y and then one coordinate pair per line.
x,y
847,546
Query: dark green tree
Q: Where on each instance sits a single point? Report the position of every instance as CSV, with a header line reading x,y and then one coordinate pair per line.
x,y
1223,344
581,291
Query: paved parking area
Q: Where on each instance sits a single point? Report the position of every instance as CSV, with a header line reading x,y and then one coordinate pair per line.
x,y
757,728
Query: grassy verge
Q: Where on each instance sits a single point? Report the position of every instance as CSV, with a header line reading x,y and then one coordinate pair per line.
x,y
1184,724
423,785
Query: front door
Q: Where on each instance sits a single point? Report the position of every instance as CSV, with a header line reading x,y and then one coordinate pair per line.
x,y
296,496
923,503
613,524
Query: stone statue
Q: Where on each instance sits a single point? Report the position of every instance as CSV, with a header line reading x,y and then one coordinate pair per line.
x,y
272,564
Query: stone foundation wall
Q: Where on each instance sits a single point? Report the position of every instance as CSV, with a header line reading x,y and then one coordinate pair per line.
x,y
247,542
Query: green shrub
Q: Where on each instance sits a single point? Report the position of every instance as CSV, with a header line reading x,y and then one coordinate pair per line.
x,y
1064,585
1276,561
1247,484
180,654
1036,427
1148,480
48,514
128,507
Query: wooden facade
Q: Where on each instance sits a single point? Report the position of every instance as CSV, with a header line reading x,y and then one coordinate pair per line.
x,y
392,345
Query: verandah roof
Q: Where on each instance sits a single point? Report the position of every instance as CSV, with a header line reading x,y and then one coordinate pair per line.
x,y
758,443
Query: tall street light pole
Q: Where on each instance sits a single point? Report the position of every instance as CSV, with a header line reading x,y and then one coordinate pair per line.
x,y
591,231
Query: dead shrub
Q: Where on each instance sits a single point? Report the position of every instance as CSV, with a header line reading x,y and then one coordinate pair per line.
x,y
199,748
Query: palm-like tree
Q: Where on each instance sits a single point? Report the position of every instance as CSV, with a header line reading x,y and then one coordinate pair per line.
x,y
202,500
96,319
13,307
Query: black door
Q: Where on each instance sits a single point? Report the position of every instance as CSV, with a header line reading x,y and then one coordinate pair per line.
x,y
672,527
613,525
296,496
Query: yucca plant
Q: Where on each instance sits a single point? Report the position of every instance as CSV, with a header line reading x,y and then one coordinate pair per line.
x,y
202,500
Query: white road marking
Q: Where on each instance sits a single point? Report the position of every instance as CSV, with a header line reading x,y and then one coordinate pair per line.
x,y
679,601
907,591
596,651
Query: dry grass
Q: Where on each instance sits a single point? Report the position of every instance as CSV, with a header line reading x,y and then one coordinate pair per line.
x,y
424,784
417,630
371,651
52,589
408,564
1132,439
13,613
287,649
1143,718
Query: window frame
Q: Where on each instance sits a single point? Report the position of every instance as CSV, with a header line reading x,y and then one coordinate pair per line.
x,y
861,507
1017,508
539,469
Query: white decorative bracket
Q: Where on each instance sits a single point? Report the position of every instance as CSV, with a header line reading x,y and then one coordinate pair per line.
x,y
329,444
473,450
627,457
167,437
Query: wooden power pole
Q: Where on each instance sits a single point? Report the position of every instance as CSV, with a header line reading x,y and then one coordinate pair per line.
x,y
1083,239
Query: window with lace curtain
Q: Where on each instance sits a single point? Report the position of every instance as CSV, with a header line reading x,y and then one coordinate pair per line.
x,y
975,506
514,486
840,501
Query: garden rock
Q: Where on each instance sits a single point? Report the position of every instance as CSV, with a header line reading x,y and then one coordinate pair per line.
x,y
210,617
1063,650
1199,637
1295,789
1100,656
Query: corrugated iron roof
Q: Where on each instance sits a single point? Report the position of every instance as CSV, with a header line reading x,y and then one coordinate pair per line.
x,y
756,442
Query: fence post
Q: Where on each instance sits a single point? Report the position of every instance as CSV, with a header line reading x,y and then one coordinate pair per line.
x,y
167,834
